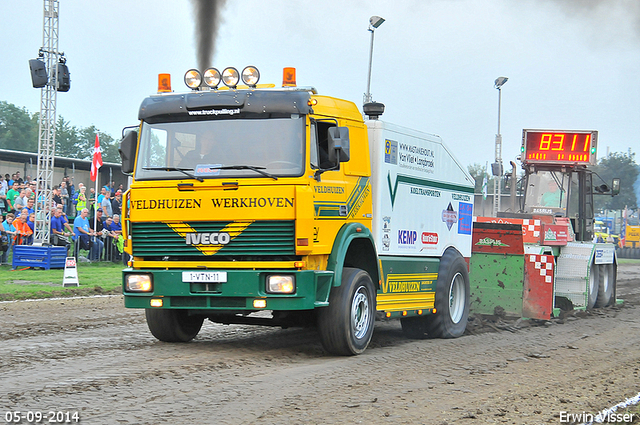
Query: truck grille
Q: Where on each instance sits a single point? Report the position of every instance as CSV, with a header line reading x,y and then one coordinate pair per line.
x,y
259,239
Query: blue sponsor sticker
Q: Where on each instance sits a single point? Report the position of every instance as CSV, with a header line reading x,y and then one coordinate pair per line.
x,y
465,218
391,152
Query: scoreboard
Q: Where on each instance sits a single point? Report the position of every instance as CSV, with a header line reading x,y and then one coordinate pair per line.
x,y
559,147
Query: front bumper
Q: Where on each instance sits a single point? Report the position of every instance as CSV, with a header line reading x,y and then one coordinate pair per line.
x,y
236,294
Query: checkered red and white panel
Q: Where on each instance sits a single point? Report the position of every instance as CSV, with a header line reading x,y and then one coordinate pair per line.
x,y
544,264
532,227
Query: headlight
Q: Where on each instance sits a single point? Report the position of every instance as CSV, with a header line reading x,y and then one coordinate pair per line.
x,y
212,77
193,79
138,283
250,76
230,77
281,284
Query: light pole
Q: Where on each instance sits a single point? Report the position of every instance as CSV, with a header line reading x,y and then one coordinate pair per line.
x,y
374,22
496,167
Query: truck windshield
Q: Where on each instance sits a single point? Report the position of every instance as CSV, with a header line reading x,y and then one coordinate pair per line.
x,y
547,193
221,148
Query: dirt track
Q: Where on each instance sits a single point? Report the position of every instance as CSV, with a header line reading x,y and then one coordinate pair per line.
x,y
97,358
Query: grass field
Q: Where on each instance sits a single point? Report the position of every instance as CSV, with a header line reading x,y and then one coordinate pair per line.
x,y
94,278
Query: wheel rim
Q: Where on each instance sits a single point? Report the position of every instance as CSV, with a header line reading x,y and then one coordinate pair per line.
x,y
456,298
360,313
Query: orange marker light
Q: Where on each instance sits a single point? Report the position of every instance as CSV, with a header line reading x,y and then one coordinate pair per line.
x,y
164,83
288,77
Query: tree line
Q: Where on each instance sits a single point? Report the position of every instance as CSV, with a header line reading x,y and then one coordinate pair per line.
x,y
19,131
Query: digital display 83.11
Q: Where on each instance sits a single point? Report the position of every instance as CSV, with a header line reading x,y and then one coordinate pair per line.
x,y
559,147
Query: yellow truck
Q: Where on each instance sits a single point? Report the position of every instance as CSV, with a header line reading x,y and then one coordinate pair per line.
x,y
278,206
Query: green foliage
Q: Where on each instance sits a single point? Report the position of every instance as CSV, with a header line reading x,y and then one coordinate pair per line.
x,y
19,131
478,171
623,166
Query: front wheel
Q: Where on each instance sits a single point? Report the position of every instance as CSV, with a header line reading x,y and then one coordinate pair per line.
x,y
173,325
452,298
346,325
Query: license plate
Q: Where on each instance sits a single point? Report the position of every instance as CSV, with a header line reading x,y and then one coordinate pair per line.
x,y
204,277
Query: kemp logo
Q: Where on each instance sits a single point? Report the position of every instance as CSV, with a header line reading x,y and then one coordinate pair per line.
x,y
449,216
221,238
407,237
429,238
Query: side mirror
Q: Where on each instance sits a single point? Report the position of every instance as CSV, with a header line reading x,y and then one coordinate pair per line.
x,y
338,144
127,150
615,187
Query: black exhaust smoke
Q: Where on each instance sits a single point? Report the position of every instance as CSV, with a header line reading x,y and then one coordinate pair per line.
x,y
208,18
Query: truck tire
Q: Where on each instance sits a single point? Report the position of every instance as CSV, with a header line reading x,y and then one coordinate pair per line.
x,y
594,283
173,325
606,282
346,325
452,298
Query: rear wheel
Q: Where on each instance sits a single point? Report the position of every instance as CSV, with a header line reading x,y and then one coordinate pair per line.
x,y
606,282
452,298
173,325
594,282
346,325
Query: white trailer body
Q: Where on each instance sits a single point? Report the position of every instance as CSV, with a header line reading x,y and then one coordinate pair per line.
x,y
422,195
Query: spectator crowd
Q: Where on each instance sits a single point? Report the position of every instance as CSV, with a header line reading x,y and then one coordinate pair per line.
x,y
80,220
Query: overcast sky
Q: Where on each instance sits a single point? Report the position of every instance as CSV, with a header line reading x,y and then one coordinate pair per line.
x,y
572,65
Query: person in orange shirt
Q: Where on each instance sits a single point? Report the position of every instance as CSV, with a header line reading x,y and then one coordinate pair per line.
x,y
23,231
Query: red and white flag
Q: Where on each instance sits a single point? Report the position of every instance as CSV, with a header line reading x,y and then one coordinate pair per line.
x,y
97,160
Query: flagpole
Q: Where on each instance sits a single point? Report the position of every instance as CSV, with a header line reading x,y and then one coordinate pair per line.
x,y
95,200
96,163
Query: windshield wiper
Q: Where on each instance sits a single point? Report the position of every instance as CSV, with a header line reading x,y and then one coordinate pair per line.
x,y
247,167
184,171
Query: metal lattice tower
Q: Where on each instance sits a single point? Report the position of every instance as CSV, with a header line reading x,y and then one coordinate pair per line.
x,y
47,129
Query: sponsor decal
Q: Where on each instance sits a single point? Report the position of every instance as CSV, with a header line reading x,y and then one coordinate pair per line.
x,y
424,192
207,170
550,235
407,237
329,189
214,238
491,242
357,197
541,210
458,197
417,158
386,241
215,112
386,227
465,221
449,216
391,152
252,202
429,238
409,282
165,204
